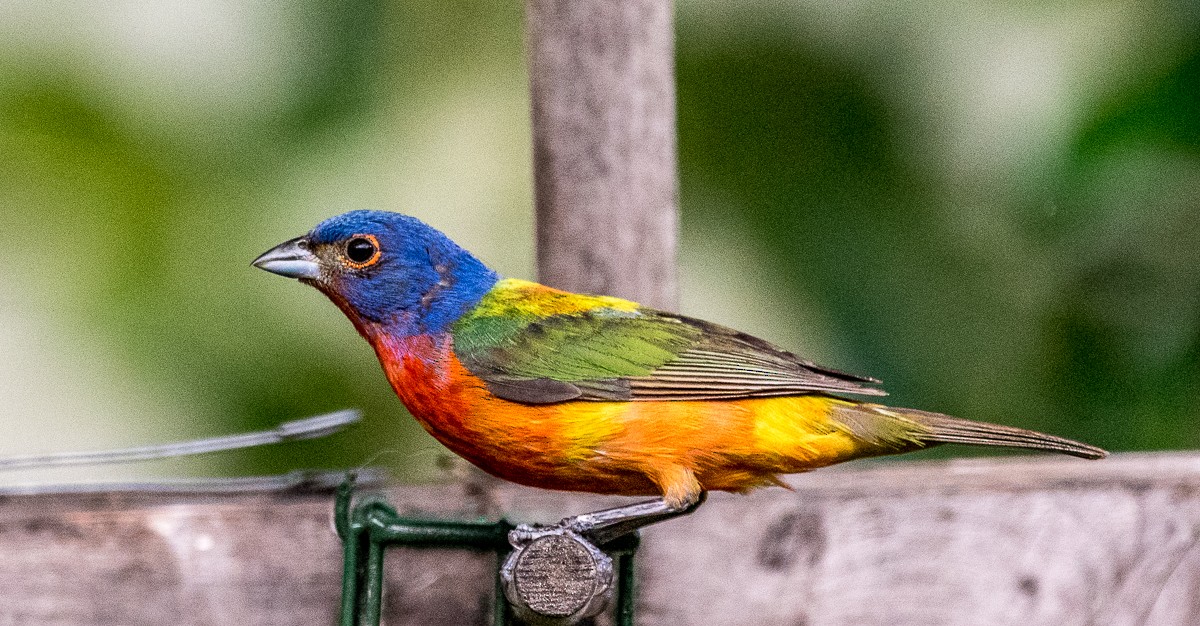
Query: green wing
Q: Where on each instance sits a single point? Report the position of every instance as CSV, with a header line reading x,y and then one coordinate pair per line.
x,y
616,351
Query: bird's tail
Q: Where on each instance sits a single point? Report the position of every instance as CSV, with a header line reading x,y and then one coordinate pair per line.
x,y
925,428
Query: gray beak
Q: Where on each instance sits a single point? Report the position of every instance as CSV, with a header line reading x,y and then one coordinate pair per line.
x,y
290,258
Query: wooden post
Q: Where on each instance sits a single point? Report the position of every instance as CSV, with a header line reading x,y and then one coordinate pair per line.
x,y
605,174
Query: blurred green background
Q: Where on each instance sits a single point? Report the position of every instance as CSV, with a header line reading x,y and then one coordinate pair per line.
x,y
992,206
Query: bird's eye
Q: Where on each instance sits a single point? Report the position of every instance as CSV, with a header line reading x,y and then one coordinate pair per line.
x,y
362,251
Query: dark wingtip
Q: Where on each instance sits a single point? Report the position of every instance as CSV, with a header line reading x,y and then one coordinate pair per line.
x,y
871,391
1091,453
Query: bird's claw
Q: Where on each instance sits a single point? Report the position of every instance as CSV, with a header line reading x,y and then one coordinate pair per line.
x,y
523,534
580,524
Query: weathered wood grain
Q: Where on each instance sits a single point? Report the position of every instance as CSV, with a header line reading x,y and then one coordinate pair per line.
x,y
606,184
1016,541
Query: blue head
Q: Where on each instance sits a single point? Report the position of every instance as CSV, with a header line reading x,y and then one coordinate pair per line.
x,y
386,271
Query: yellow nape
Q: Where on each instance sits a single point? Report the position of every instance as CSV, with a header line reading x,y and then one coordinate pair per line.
x,y
513,297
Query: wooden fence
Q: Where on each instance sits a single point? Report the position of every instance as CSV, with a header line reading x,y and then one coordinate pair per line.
x,y
1021,541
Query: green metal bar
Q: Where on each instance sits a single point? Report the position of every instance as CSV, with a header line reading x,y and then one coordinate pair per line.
x,y
352,548
342,514
625,544
367,528
373,600
351,553
408,532
625,589
500,612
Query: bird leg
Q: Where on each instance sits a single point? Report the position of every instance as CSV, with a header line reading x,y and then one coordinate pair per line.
x,y
601,527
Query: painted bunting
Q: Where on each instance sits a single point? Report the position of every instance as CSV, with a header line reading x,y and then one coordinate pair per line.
x,y
593,393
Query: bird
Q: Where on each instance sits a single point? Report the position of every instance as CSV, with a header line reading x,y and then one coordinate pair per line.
x,y
594,393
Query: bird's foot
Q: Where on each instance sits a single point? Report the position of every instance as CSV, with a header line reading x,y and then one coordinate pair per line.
x,y
580,526
567,557
601,527
554,575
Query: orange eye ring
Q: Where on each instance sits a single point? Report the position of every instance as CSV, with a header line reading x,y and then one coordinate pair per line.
x,y
361,251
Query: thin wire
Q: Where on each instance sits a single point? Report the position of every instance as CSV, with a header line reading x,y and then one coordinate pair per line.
x,y
318,426
301,481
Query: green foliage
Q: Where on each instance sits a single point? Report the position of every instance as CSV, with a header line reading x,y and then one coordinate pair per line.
x,y
1031,259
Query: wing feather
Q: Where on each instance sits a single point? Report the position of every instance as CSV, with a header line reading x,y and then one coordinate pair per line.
x,y
616,351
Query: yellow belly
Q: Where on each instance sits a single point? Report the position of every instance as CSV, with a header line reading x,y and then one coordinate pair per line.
x,y
636,448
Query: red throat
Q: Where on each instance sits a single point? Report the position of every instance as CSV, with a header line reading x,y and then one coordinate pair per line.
x,y
422,370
